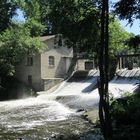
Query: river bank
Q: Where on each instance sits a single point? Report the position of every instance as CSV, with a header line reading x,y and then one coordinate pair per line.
x,y
125,114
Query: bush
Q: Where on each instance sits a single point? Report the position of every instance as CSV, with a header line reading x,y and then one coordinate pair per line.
x,y
126,110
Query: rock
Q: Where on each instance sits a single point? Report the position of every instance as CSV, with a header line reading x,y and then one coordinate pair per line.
x,y
79,110
91,116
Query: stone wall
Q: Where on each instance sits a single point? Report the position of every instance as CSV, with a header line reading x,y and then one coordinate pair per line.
x,y
62,57
33,71
24,71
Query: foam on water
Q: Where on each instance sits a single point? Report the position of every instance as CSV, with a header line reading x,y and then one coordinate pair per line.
x,y
119,86
60,104
79,95
21,113
75,94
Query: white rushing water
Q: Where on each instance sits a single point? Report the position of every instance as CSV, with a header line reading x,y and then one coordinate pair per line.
x,y
59,105
80,95
118,87
27,113
74,95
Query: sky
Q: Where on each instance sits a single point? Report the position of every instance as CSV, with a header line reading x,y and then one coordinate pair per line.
x,y
135,28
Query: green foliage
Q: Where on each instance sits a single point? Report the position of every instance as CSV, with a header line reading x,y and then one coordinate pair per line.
x,y
32,9
126,110
15,43
7,11
35,13
35,9
134,43
128,9
78,21
119,112
5,69
118,36
36,28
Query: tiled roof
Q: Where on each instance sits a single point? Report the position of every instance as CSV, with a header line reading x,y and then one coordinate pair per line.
x,y
43,38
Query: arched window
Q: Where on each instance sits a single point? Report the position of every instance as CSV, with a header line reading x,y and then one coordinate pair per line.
x,y
51,61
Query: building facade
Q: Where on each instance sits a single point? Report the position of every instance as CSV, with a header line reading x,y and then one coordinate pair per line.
x,y
85,64
44,70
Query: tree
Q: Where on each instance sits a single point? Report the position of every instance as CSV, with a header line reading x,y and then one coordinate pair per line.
x,y
16,40
104,113
78,21
35,27
15,43
7,11
117,36
134,43
36,10
128,9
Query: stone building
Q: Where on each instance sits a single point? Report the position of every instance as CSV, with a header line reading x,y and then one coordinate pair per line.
x,y
44,70
85,64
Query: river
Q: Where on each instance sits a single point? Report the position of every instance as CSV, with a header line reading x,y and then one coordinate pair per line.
x,y
56,115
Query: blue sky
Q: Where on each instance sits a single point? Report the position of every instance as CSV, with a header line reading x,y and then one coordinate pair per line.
x,y
135,28
19,16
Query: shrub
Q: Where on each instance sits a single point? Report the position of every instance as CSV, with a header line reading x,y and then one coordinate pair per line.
x,y
126,110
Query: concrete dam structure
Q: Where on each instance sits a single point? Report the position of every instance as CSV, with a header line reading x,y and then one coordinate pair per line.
x,y
134,73
80,90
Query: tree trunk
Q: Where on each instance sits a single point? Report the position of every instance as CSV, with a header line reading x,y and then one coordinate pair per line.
x,y
104,114
108,118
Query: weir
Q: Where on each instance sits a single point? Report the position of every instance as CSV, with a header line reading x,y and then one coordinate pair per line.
x,y
54,115
83,94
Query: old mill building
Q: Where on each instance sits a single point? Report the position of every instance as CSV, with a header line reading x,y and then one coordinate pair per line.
x,y
46,69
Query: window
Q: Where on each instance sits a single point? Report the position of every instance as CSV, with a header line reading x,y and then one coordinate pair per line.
x,y
88,65
29,79
29,61
51,61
